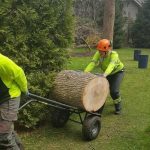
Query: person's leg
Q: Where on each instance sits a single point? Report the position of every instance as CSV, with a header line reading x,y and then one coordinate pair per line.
x,y
114,82
18,141
7,140
8,114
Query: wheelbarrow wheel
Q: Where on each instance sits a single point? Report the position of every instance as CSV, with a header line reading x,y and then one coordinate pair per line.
x,y
91,127
59,117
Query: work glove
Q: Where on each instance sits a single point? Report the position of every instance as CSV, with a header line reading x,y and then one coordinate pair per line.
x,y
104,75
27,93
100,75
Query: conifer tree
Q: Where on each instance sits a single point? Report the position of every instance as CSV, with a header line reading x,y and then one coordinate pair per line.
x,y
141,28
118,38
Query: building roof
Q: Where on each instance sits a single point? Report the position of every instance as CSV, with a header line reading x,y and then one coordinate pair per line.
x,y
139,2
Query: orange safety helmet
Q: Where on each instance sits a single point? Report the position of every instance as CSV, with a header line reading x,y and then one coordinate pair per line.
x,y
104,45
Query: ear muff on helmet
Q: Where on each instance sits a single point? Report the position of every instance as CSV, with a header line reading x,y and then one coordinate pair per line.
x,y
104,45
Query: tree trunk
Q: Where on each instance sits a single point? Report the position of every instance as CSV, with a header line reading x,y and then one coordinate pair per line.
x,y
108,20
79,89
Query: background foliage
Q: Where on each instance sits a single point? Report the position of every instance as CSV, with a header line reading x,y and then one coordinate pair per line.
x,y
141,27
89,22
31,33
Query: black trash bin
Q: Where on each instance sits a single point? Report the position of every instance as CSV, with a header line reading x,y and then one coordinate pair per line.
x,y
136,54
143,61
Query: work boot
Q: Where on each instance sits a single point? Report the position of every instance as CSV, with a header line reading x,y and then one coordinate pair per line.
x,y
118,108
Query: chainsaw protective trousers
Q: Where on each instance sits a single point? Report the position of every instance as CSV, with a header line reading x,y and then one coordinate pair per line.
x,y
8,114
114,84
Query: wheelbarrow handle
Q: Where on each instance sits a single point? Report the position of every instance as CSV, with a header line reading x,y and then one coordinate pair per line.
x,y
43,99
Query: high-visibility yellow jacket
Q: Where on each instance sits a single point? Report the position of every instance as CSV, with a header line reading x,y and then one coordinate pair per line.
x,y
109,65
12,79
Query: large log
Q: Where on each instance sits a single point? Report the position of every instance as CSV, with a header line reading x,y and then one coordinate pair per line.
x,y
83,90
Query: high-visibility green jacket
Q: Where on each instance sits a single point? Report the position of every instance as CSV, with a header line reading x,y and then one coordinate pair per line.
x,y
109,65
12,79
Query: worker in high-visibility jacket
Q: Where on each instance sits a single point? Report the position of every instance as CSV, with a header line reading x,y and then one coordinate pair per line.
x,y
112,67
13,82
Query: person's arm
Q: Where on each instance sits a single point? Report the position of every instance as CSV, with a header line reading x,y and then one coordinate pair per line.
x,y
17,74
93,63
111,65
21,80
11,71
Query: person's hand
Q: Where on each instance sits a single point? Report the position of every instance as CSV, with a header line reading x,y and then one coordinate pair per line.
x,y
101,75
104,75
27,93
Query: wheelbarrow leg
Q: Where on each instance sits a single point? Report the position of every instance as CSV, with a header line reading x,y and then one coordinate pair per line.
x,y
100,111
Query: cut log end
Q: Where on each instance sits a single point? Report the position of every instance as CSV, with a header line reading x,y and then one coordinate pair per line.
x,y
95,94
79,89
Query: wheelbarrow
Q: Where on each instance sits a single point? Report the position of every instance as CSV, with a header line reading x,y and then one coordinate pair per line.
x,y
90,121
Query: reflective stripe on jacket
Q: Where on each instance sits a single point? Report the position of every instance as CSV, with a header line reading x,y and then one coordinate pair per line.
x,y
12,77
109,65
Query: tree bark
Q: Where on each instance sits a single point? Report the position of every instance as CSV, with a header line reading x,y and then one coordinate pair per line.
x,y
108,20
83,90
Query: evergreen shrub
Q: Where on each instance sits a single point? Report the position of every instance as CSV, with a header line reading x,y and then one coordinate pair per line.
x,y
35,34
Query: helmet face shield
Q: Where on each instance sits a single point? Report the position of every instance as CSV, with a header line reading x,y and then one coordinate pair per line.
x,y
104,45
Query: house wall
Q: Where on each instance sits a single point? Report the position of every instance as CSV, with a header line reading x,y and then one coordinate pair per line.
x,y
130,10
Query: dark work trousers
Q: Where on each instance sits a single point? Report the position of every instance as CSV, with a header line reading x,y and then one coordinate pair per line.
x,y
8,114
114,86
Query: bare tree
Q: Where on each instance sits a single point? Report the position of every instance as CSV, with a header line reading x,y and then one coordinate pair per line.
x,y
108,20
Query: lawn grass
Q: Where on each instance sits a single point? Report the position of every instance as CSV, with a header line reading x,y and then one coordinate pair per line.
x,y
129,131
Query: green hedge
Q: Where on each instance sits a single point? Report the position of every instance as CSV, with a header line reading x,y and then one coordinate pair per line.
x,y
35,34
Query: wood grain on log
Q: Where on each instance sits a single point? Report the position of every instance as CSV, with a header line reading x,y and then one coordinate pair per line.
x,y
83,90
